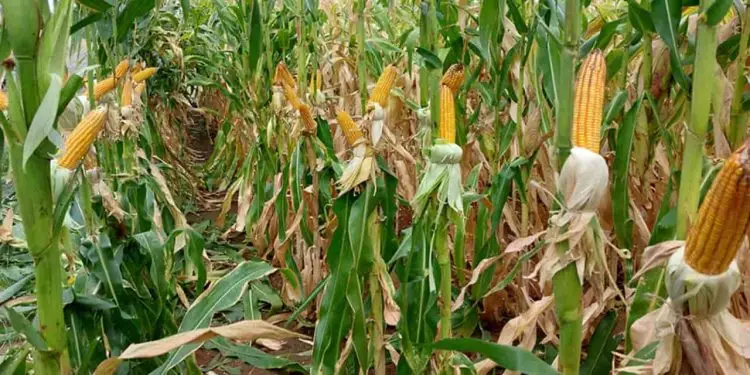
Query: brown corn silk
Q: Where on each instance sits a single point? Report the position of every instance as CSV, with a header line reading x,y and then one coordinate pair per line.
x,y
723,218
589,102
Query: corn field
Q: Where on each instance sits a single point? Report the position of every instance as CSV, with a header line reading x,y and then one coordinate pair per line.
x,y
375,187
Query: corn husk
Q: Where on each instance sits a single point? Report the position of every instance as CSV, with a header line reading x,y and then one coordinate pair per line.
x,y
359,169
583,180
694,329
443,176
376,118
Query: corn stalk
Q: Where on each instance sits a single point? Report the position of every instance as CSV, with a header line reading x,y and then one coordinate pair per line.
x,y
695,134
35,65
565,284
738,127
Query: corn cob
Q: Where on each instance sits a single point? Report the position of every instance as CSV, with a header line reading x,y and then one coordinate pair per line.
x,y
283,77
127,94
383,87
447,129
589,102
82,137
140,88
122,68
453,77
306,116
723,219
291,96
103,87
3,101
144,74
349,127
137,68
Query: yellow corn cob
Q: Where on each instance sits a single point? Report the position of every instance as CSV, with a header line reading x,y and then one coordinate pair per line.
x,y
453,77
723,219
122,68
349,127
291,96
447,128
589,102
144,74
127,94
137,68
103,87
140,88
383,87
306,115
283,77
82,137
3,101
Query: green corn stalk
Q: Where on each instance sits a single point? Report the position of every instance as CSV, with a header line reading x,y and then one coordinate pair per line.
x,y
565,284
35,60
738,127
361,65
695,135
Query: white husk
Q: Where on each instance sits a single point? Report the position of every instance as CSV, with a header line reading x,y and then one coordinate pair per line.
x,y
376,116
583,183
583,180
443,176
359,168
717,340
706,295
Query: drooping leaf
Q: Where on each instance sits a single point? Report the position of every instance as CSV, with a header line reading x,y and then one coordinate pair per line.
x,y
640,17
22,325
620,171
601,347
665,15
44,119
99,5
11,291
508,357
133,11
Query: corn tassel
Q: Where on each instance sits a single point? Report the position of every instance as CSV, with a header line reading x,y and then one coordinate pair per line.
x,y
3,101
127,94
140,88
453,77
104,87
291,96
144,74
79,141
723,219
283,77
349,127
122,68
447,129
589,102
383,88
306,115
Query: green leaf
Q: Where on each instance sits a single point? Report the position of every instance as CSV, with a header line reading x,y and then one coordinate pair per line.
x,y
615,61
44,119
640,17
99,5
614,107
222,294
431,60
254,357
4,43
92,18
134,10
508,357
649,295
54,46
72,85
490,21
665,15
21,325
14,362
620,171
601,346
11,291
716,11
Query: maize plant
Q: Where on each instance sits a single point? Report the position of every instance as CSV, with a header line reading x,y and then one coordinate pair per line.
x,y
346,187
